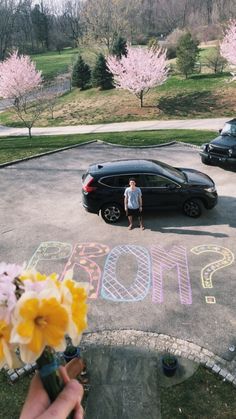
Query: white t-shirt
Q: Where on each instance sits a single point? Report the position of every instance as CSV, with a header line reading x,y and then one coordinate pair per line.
x,y
133,197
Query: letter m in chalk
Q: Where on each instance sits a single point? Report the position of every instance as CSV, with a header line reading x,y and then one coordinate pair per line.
x,y
163,260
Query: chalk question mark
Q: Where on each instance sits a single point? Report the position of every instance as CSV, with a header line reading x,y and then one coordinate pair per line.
x,y
208,270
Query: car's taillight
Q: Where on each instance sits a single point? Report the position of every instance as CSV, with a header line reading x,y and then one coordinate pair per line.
x,y
87,186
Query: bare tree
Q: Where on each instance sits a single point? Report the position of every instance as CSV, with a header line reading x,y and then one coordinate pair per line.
x,y
215,61
69,20
23,35
105,19
7,19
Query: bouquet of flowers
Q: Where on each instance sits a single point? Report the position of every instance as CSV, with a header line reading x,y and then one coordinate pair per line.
x,y
37,313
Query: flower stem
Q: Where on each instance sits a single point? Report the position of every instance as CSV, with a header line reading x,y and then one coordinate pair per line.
x,y
47,366
48,370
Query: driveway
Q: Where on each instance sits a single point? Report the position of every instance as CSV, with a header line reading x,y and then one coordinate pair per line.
x,y
177,277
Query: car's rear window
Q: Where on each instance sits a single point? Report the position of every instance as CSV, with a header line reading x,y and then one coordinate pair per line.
x,y
172,172
108,181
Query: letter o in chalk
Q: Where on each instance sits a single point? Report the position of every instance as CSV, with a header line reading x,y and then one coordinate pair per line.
x,y
112,289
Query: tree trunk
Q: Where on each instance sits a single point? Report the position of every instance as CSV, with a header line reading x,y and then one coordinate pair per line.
x,y
141,99
30,135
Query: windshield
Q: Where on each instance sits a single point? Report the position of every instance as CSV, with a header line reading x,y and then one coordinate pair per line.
x,y
229,129
172,172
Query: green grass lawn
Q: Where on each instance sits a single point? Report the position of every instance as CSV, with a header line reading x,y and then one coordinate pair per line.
x,y
52,63
203,396
13,148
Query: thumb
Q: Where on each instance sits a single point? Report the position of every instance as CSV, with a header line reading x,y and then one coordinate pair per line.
x,y
66,401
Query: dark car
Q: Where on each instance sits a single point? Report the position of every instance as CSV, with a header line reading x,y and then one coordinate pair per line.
x,y
221,150
163,187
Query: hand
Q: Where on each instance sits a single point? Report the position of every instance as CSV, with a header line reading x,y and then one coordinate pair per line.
x,y
140,209
37,404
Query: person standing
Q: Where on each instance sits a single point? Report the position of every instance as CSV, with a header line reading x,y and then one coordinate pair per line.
x,y
133,203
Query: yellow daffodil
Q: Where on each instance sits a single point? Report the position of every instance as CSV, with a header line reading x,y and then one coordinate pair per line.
x,y
5,353
33,276
35,281
74,298
40,320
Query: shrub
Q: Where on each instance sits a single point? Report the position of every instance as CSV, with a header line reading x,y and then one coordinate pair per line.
x,y
101,76
81,74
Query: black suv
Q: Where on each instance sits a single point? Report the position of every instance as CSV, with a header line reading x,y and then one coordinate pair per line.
x,y
221,150
163,187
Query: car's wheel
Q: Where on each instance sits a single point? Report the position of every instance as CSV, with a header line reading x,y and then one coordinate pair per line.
x,y
205,160
193,208
111,213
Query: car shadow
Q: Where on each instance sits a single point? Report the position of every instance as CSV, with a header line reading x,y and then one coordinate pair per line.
x,y
170,222
225,167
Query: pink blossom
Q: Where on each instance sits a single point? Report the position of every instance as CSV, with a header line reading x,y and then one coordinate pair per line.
x,y
37,286
18,76
228,45
10,271
140,70
7,300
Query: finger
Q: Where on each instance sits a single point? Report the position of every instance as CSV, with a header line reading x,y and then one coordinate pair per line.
x,y
66,401
75,367
66,379
79,412
36,392
64,374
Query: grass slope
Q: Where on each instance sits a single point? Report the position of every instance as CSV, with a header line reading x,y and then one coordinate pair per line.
x,y
201,96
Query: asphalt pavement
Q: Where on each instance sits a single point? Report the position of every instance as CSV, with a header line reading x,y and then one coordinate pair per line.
x,y
143,304
135,314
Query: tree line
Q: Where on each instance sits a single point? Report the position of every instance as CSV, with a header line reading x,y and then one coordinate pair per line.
x,y
32,28
134,69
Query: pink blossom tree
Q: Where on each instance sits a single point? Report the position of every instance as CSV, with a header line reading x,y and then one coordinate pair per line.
x,y
140,70
20,81
228,45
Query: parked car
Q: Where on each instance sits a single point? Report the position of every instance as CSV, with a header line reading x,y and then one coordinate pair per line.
x,y
221,150
163,187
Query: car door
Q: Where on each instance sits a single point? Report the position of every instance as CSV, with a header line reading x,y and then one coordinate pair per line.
x,y
122,182
160,192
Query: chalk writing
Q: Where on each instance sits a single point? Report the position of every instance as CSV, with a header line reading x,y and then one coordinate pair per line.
x,y
81,257
114,290
163,260
208,270
210,300
52,250
147,274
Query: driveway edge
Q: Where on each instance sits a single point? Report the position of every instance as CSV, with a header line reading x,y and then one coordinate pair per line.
x,y
47,153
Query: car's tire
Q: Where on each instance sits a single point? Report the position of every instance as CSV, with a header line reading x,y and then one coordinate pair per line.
x,y
206,160
193,208
111,213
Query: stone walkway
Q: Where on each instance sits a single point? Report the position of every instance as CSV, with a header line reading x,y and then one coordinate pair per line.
x,y
224,366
